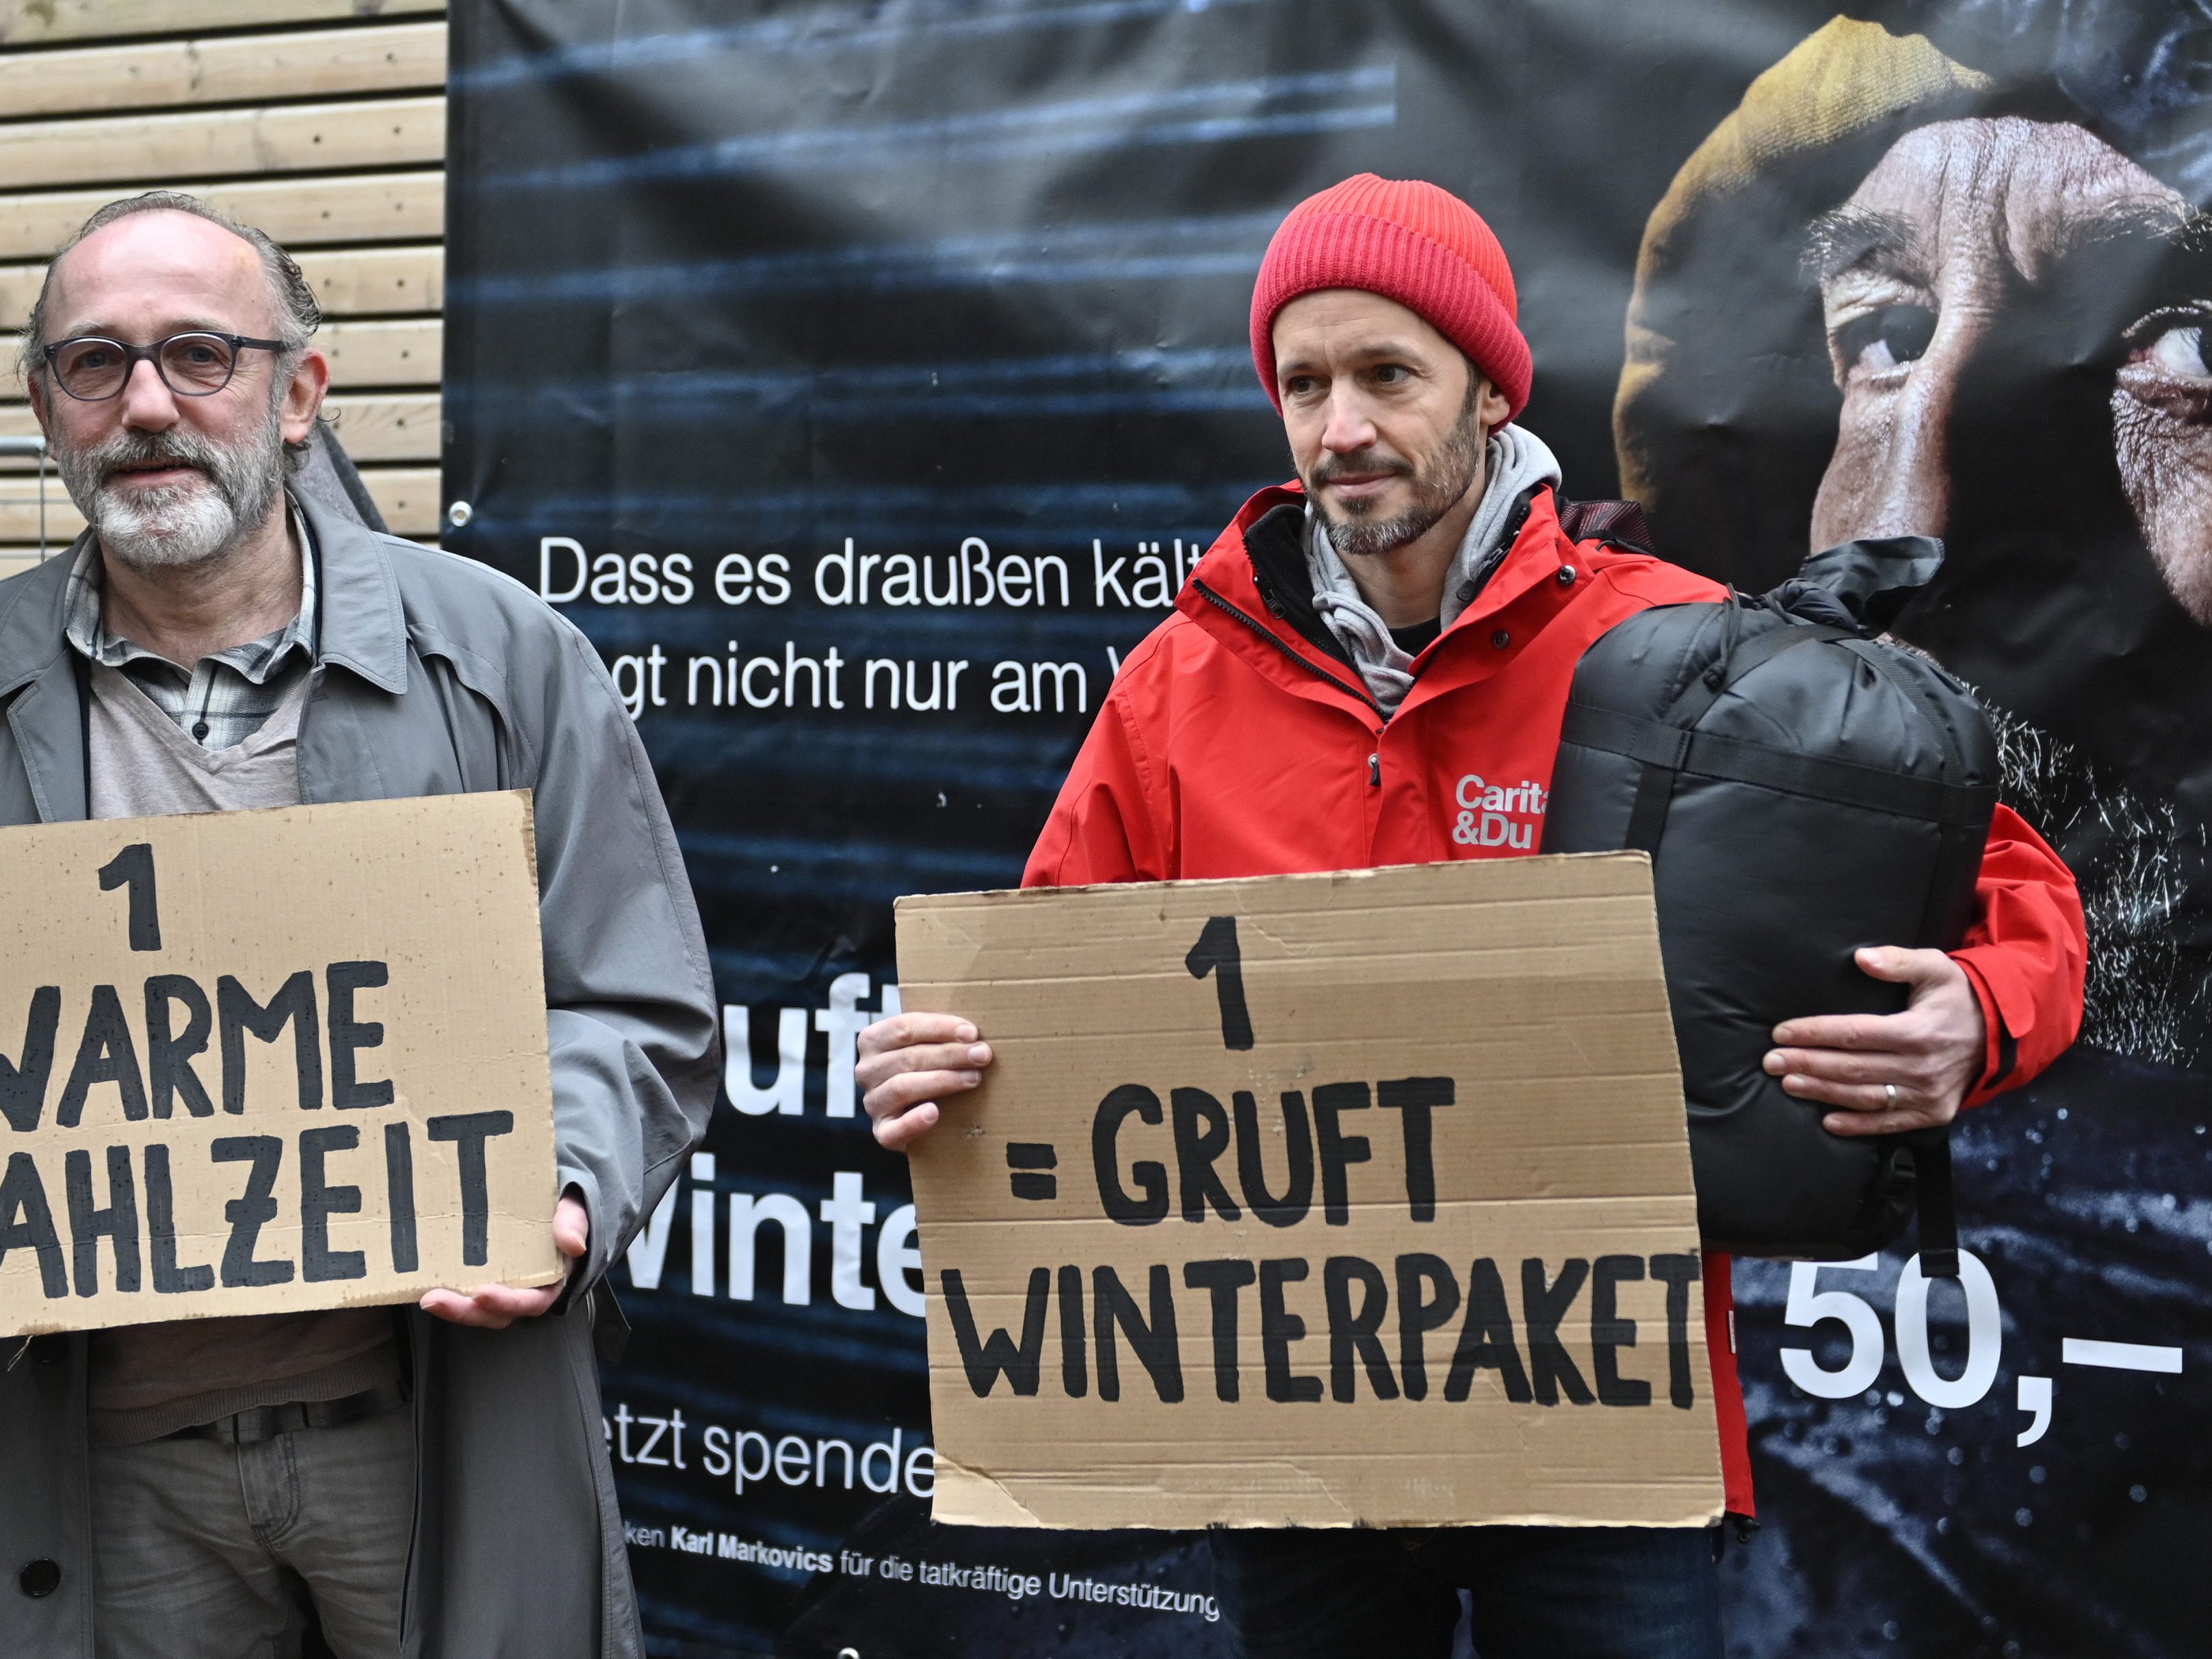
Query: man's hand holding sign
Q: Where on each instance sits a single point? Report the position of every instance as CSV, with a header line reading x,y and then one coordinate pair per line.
x,y
494,1307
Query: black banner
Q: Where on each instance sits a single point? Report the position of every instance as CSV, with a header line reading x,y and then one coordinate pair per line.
x,y
863,380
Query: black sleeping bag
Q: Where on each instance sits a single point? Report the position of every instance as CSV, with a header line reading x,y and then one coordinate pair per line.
x,y
1804,789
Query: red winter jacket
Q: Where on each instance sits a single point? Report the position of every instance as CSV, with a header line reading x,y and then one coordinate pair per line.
x,y
1236,742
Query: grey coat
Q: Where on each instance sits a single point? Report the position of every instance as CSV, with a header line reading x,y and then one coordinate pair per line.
x,y
436,675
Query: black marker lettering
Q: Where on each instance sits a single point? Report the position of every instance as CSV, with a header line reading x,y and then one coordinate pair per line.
x,y
133,868
984,1360
1221,1280
1154,1344
468,1131
1074,1367
169,1074
1485,1339
104,1054
1120,1104
26,1222
252,1209
320,1201
1202,1135
87,1225
1279,1328
1542,1308
399,1186
1610,1333
1420,1312
1336,1148
1678,1273
169,1279
23,1084
1216,953
348,1034
238,1013
1416,1098
1349,1333
1251,1167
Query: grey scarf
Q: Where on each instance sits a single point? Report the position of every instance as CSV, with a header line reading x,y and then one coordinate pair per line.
x,y
1514,459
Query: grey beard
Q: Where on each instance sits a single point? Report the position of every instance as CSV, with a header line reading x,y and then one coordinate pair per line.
x,y
2144,998
1435,493
183,525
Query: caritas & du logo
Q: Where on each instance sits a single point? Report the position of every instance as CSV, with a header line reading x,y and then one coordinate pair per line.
x,y
1498,814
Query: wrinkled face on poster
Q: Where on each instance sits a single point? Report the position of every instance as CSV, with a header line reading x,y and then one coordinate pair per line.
x,y
2014,315
1994,332
1963,268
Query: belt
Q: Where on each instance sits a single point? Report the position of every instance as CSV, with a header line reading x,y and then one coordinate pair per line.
x,y
267,1422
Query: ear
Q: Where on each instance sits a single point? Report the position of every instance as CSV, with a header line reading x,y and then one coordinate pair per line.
x,y
35,385
303,396
1491,407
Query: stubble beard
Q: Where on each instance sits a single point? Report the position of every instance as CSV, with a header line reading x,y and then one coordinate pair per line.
x,y
1437,489
185,525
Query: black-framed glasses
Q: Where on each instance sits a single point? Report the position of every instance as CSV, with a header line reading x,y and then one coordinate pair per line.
x,y
193,365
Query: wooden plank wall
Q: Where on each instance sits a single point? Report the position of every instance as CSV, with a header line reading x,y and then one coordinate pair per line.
x,y
321,121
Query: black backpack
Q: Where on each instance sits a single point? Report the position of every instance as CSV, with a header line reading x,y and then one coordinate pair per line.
x,y
1803,789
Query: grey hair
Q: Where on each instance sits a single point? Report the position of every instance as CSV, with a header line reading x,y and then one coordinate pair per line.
x,y
298,314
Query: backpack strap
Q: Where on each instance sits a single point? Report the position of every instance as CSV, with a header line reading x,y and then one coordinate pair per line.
x,y
1933,1198
1655,786
1664,752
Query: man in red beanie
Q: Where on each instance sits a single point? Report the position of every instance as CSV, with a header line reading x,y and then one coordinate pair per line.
x,y
1370,667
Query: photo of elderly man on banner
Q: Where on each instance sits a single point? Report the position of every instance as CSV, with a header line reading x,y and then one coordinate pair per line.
x,y
1944,270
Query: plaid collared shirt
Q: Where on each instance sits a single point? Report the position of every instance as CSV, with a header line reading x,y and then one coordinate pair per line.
x,y
221,700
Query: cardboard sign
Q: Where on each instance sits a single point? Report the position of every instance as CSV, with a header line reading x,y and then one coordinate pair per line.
x,y
1313,1200
254,1062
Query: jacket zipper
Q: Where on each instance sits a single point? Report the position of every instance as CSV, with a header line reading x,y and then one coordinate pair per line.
x,y
1268,635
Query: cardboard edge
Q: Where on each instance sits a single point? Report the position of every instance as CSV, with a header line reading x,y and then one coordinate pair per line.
x,y
965,1497
1033,894
529,801
985,1502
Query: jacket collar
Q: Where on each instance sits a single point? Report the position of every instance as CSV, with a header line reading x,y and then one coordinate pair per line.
x,y
363,627
1225,595
34,616
39,684
1276,545
1258,569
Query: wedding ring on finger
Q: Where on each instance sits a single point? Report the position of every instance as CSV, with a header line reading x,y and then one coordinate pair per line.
x,y
1890,1090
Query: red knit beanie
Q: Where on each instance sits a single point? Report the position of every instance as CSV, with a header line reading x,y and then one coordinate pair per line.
x,y
1407,241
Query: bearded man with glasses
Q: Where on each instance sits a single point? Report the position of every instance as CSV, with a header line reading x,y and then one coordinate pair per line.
x,y
423,1480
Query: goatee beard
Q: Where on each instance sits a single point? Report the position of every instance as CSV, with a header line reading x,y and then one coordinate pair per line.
x,y
1437,490
197,521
